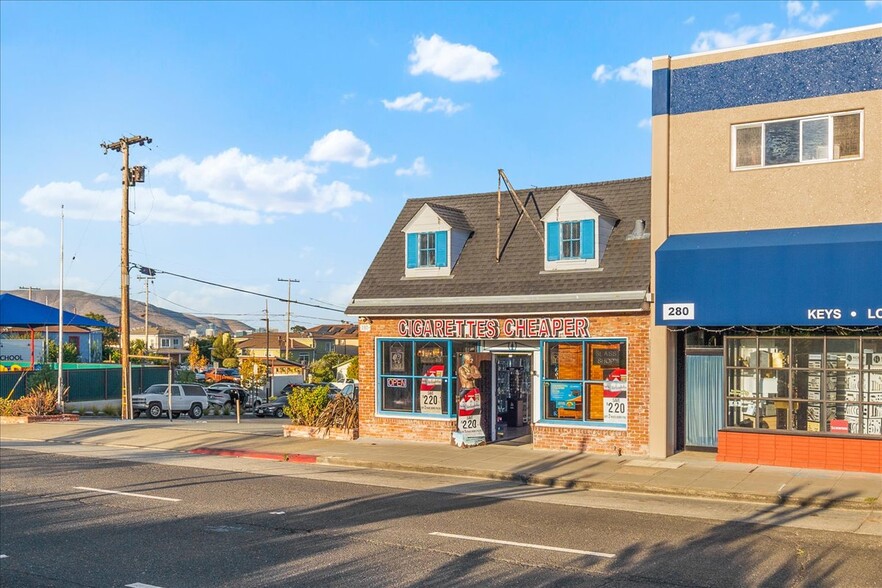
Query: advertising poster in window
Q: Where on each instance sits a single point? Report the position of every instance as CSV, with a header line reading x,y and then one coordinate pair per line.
x,y
566,398
469,415
431,390
615,398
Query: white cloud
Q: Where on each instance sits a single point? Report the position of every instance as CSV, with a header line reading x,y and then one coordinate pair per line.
x,y
102,205
230,187
644,123
709,40
689,21
812,18
452,61
418,168
446,106
416,102
342,146
638,72
279,185
15,258
871,4
101,178
809,17
12,236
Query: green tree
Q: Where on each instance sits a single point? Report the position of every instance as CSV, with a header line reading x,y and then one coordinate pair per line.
x,y
352,370
253,373
322,370
136,347
196,360
224,348
109,336
69,355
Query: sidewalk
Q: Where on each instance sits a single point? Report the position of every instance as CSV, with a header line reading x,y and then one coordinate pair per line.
x,y
685,474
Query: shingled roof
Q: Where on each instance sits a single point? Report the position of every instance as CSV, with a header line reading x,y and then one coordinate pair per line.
x,y
517,284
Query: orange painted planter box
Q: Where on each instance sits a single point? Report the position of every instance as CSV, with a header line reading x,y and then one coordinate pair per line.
x,y
799,451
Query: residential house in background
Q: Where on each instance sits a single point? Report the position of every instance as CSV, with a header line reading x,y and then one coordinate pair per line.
x,y
341,338
277,345
163,342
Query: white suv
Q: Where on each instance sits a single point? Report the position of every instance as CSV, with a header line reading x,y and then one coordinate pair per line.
x,y
189,398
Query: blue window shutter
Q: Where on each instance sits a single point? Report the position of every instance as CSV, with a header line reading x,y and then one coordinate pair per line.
x,y
413,249
552,242
587,244
441,249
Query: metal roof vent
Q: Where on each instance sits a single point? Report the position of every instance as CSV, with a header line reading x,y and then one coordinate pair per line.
x,y
639,231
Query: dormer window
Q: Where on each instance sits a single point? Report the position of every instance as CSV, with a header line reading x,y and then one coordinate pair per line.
x,y
577,229
434,240
570,240
427,249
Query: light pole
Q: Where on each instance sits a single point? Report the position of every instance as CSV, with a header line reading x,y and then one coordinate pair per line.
x,y
288,320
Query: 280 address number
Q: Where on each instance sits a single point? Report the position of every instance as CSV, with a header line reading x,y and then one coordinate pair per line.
x,y
678,312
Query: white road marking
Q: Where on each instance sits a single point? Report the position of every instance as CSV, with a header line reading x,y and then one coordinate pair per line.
x,y
140,585
278,512
128,494
2,555
531,545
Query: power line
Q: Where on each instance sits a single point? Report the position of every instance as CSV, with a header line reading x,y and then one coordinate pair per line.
x,y
152,271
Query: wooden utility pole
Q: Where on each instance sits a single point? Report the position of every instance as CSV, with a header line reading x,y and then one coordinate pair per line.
x,y
288,320
129,178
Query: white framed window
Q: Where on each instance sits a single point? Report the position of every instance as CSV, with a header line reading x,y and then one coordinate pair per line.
x,y
426,249
794,141
570,239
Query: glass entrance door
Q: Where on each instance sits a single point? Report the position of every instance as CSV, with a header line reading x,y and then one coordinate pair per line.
x,y
512,395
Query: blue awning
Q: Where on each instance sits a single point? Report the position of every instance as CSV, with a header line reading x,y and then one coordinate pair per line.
x,y
803,277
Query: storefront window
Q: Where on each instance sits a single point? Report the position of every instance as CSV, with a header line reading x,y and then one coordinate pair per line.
x,y
586,382
415,377
810,384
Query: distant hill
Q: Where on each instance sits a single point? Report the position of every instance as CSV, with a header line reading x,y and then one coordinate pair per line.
x,y
167,320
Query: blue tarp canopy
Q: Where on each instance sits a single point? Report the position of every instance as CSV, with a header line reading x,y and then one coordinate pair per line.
x,y
803,277
18,312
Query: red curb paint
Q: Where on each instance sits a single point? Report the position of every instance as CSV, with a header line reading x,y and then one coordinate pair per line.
x,y
296,457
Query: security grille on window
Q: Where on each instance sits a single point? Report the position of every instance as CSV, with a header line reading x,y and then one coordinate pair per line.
x,y
799,140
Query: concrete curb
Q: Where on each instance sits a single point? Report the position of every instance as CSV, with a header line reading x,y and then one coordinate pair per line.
x,y
546,481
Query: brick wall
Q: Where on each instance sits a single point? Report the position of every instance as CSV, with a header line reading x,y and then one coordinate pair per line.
x,y
801,451
633,441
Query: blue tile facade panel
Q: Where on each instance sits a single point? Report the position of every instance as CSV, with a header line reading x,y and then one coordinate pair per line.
x,y
843,68
661,91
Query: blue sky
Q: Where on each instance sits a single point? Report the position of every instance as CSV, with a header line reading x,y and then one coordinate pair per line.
x,y
286,136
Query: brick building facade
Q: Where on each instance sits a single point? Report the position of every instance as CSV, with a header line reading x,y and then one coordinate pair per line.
x,y
554,318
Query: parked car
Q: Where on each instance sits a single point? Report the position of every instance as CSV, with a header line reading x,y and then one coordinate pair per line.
x,y
189,398
223,375
221,394
273,408
349,389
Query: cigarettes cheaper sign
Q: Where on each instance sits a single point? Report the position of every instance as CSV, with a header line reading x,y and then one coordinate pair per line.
x,y
510,328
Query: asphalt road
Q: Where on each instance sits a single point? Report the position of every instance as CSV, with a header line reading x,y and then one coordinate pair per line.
x,y
180,526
